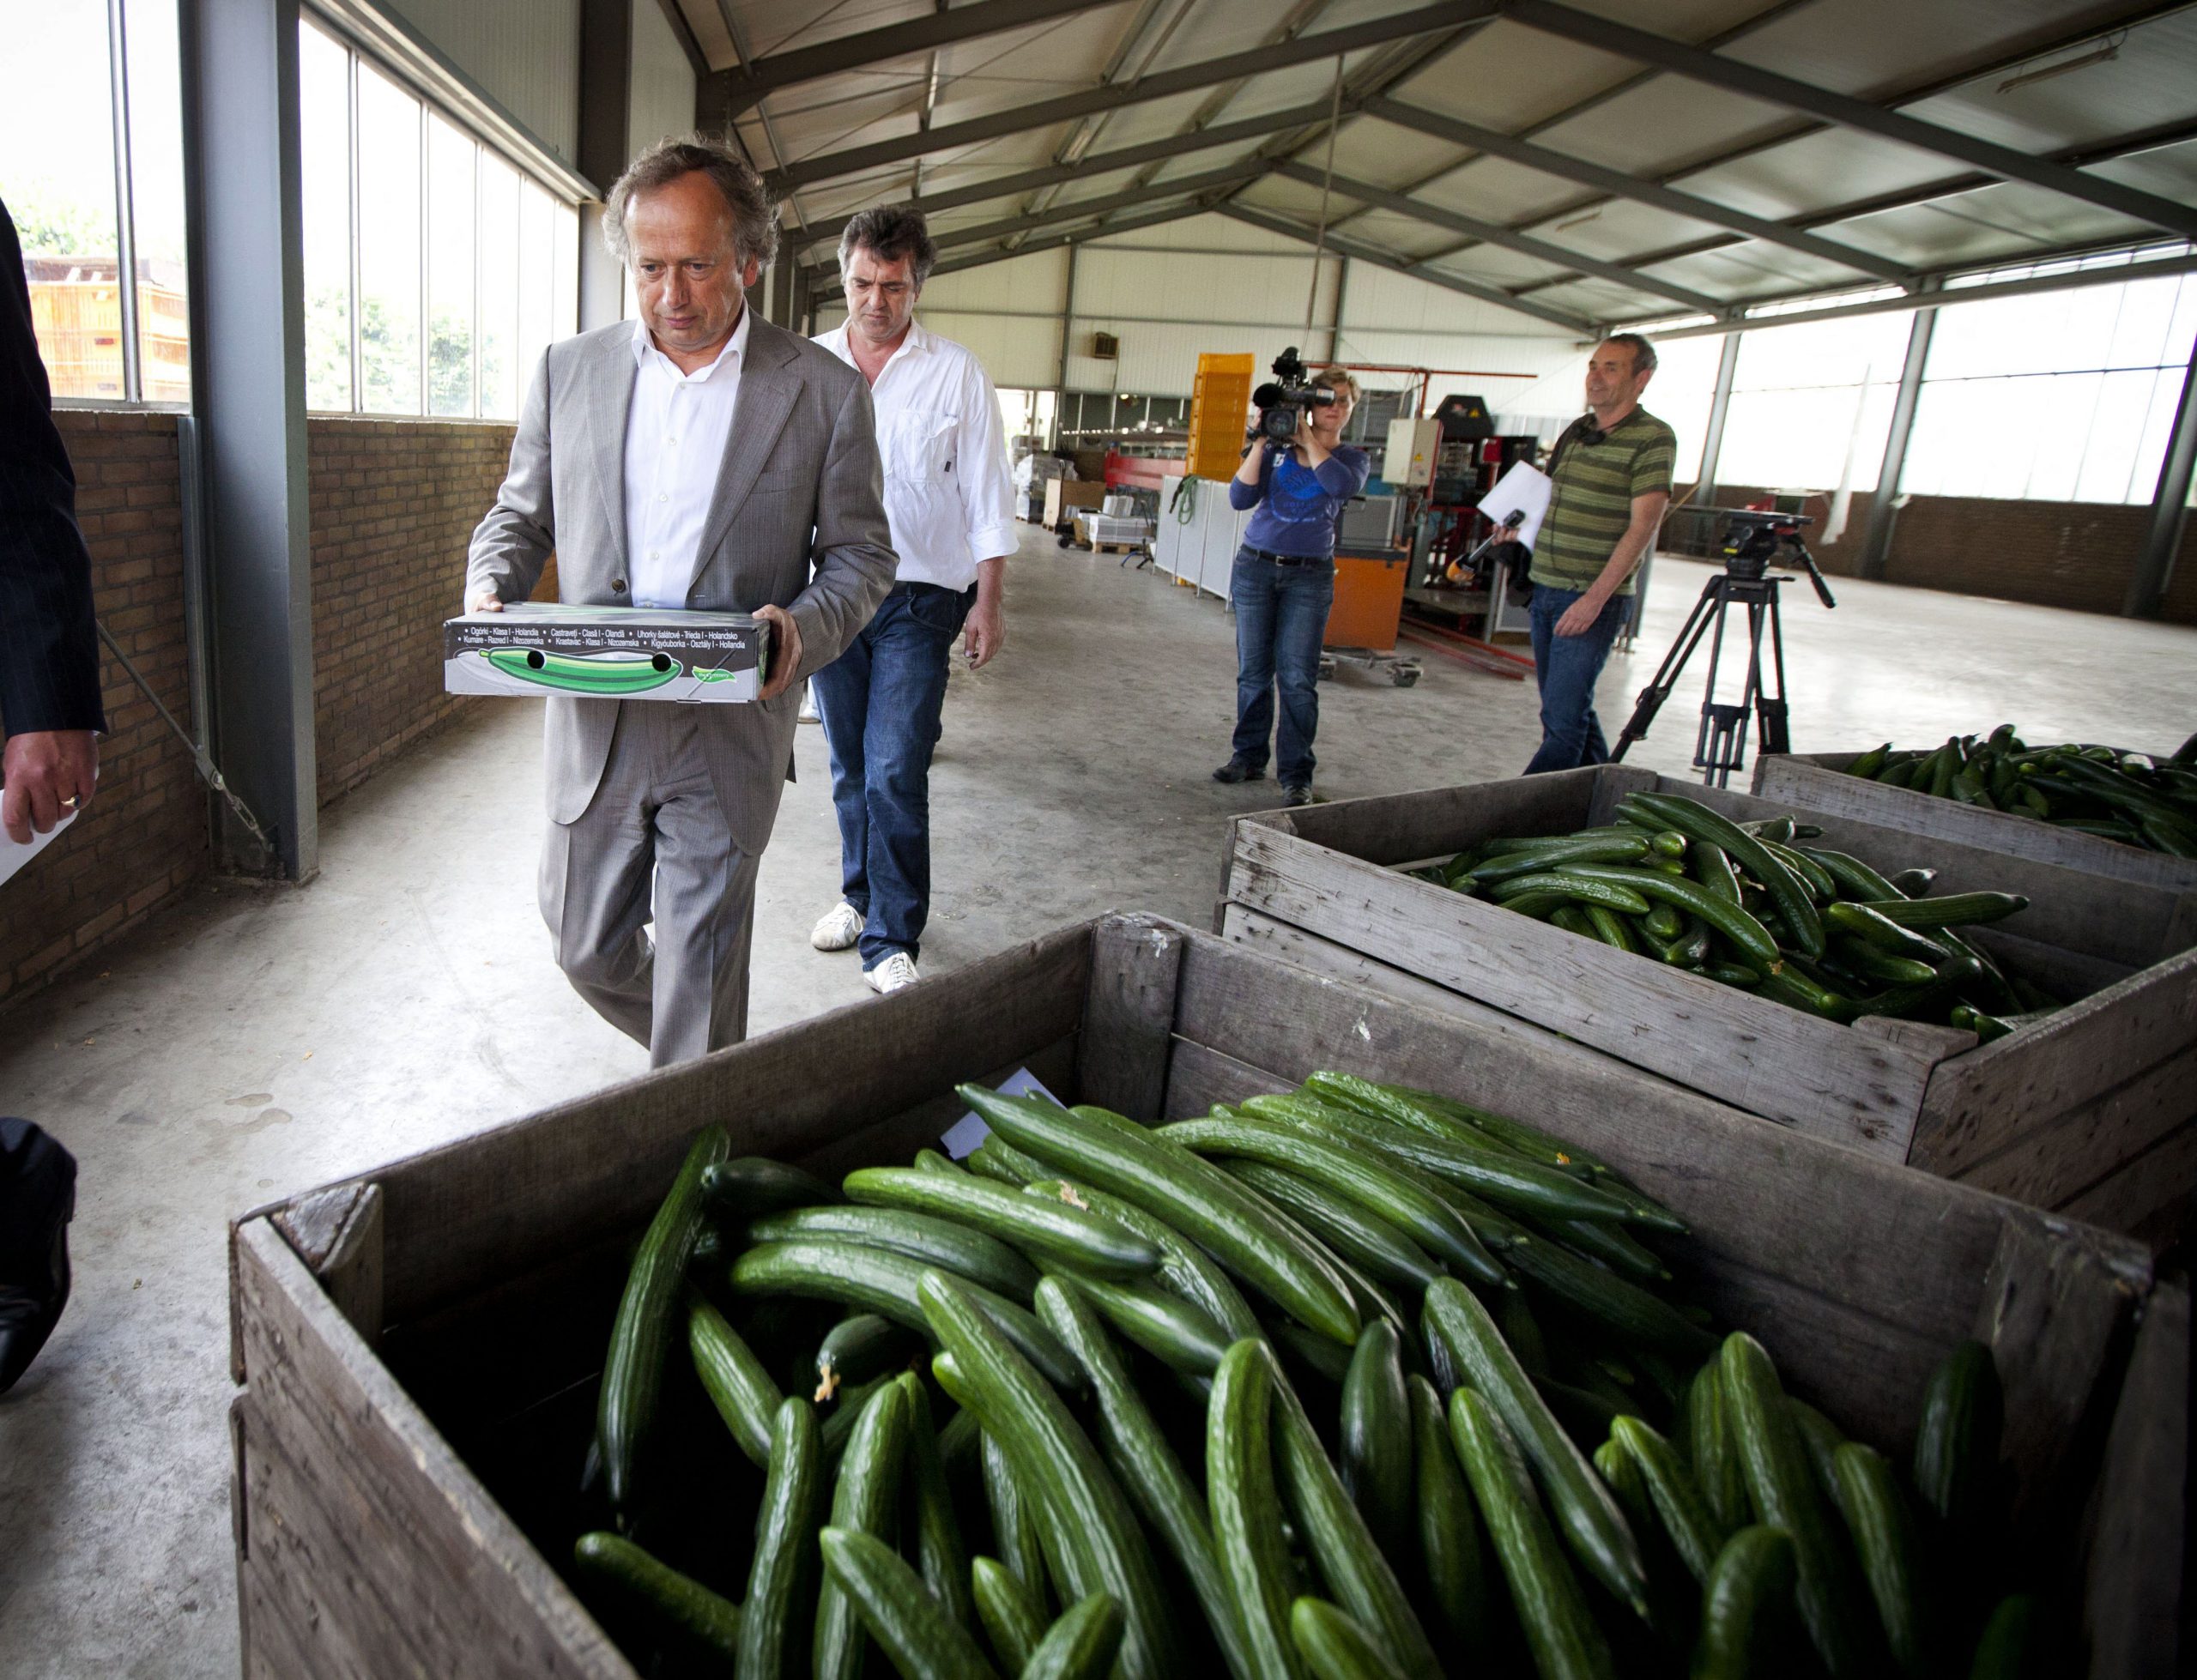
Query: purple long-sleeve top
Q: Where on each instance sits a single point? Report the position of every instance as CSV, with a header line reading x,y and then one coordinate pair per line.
x,y
1299,507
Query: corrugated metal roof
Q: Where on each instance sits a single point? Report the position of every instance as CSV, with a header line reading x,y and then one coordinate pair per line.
x,y
882,116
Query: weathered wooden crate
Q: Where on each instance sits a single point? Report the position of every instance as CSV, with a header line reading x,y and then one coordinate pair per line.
x,y
1819,782
395,1331
2093,1112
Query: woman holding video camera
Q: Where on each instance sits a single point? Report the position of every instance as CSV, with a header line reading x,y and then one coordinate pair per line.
x,y
1284,579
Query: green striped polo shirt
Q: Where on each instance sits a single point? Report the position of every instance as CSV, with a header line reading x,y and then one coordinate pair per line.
x,y
1591,501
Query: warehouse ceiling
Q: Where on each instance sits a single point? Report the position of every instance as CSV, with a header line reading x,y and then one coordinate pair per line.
x,y
1613,161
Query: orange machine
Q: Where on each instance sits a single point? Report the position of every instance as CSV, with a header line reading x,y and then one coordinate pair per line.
x,y
1369,600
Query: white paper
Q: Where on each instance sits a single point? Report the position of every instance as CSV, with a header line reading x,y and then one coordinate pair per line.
x,y
963,1138
13,857
1524,489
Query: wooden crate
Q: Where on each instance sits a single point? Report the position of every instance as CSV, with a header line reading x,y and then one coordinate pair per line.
x,y
391,1329
1819,782
2093,1112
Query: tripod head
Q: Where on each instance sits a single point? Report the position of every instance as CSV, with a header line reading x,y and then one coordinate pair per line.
x,y
1755,540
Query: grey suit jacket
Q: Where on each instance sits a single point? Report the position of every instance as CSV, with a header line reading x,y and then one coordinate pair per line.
x,y
797,522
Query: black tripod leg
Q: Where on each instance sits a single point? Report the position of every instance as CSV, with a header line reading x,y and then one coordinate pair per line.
x,y
1772,707
1709,607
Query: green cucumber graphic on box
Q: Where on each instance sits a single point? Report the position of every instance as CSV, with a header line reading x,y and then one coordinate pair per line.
x,y
597,674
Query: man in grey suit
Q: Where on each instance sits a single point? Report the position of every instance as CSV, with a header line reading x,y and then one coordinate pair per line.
x,y
698,459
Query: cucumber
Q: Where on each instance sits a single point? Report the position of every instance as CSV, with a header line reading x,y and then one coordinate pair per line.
x,y
1375,1438
1371,1244
1744,1607
1014,1620
1612,1246
1452,1549
1340,1544
1334,1646
1101,1547
1711,865
1612,929
1051,1230
1581,849
1957,1440
930,1161
985,1162
1781,1483
1313,1355
1247,1525
1875,1509
1745,932
1139,1453
860,1349
632,1371
1602,1297
1081,1645
864,1500
666,1595
1560,1630
837,1427
1581,1503
1955,909
1874,928
1869,962
921,1236
733,1378
940,1554
1822,1438
1446,1117
1387,1190
1181,1336
1812,875
782,1580
1495,1175
1184,1268
2006,1650
740,1189
1004,1161
1563,884
1167,1181
1685,1515
1664,922
874,1280
1867,765
1697,823
1015,1517
924,1642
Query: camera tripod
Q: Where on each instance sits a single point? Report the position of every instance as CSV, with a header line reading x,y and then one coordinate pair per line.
x,y
1719,746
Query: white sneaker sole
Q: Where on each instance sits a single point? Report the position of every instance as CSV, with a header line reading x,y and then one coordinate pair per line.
x,y
825,937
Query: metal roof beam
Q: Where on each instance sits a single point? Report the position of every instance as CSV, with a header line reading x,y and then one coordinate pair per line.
x,y
1359,252
1846,112
1494,234
1046,113
1618,186
1052,242
726,95
1093,163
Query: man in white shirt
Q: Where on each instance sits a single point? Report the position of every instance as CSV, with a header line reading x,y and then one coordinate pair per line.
x,y
950,502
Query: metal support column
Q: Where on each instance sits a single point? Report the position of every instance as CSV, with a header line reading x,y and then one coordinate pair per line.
x,y
2169,509
1067,319
605,79
1876,542
248,391
1712,436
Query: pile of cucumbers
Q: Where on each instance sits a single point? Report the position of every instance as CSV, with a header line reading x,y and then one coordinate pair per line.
x,y
1353,1382
1750,905
2133,797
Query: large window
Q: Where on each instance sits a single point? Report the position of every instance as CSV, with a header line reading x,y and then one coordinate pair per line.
x,y
2068,396
91,142
1811,402
435,272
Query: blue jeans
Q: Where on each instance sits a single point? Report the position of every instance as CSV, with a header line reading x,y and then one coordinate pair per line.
x,y
1565,667
1281,614
880,702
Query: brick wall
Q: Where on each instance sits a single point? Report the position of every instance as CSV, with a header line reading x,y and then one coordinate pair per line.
x,y
142,839
2078,555
394,503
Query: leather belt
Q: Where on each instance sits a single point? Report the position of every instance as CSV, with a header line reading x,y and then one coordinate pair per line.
x,y
1268,555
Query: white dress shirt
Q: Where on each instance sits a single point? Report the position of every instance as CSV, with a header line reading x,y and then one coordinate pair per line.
x,y
676,431
948,494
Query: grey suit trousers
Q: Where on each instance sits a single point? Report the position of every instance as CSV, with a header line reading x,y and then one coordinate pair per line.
x,y
655,845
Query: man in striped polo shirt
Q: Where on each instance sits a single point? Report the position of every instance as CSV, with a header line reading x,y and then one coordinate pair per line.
x,y
1612,471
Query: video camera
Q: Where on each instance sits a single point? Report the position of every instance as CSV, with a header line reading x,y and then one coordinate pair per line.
x,y
1282,400
1756,539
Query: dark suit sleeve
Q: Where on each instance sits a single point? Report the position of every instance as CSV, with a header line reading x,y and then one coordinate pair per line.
x,y
49,648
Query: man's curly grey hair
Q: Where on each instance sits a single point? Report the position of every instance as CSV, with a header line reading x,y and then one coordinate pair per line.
x,y
754,212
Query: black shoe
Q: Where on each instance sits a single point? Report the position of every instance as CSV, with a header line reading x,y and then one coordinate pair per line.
x,y
1299,792
1236,771
38,1197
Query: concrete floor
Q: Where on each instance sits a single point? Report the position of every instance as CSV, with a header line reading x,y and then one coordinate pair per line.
x,y
261,1040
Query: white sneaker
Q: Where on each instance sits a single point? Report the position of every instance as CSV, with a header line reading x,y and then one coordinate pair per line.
x,y
890,976
841,927
808,712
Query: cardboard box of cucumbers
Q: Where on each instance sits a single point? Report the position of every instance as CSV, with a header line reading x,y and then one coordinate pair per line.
x,y
1351,1380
